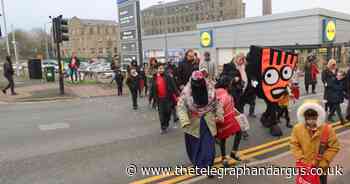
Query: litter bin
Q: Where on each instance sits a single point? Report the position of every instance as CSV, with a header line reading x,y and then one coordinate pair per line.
x,y
50,73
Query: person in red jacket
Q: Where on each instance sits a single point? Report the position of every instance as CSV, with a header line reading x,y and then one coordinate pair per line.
x,y
230,125
163,91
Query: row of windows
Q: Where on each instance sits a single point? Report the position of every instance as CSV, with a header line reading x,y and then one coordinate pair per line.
x,y
202,5
98,50
94,30
170,30
184,19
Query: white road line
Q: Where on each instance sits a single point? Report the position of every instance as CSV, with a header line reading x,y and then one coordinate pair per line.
x,y
53,126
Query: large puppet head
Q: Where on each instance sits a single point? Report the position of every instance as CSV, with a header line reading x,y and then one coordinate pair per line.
x,y
272,69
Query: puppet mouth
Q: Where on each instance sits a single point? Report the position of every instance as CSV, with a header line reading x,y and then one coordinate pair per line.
x,y
278,92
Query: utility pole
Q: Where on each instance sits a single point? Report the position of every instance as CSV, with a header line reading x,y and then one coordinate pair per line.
x,y
15,49
46,42
5,28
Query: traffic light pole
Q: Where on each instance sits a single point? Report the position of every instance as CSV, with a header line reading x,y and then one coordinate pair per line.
x,y
60,69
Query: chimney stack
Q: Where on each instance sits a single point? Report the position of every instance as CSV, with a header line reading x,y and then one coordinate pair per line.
x,y
267,7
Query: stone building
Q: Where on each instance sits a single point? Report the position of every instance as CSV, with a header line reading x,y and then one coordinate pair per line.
x,y
184,15
92,38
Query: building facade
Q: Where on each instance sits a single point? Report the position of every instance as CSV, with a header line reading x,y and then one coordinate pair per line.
x,y
92,38
302,31
184,15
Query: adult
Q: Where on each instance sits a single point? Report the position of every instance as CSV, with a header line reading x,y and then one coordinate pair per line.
x,y
208,65
347,90
328,75
151,71
73,67
309,144
198,111
8,74
186,67
336,97
133,83
311,72
164,90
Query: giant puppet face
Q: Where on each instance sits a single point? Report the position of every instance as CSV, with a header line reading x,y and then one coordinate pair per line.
x,y
272,69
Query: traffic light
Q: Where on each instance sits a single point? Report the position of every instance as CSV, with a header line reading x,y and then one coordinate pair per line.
x,y
60,27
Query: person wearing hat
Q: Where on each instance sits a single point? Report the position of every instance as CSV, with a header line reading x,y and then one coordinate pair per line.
x,y
313,141
133,83
311,72
8,74
198,111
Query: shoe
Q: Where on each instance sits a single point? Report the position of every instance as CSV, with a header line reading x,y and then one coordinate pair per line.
x,y
289,125
4,91
175,126
313,92
235,156
252,115
245,135
343,122
163,131
225,163
135,108
14,94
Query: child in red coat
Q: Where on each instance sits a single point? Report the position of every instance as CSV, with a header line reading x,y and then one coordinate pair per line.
x,y
230,125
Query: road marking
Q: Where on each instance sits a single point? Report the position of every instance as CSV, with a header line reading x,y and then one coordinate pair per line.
x,y
247,154
54,126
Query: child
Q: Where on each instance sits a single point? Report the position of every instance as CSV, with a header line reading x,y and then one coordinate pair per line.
x,y
229,126
284,112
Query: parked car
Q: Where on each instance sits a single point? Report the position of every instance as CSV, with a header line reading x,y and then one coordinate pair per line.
x,y
49,63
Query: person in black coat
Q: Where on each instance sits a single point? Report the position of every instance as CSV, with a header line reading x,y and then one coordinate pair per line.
x,y
336,95
8,74
119,78
186,67
133,83
328,74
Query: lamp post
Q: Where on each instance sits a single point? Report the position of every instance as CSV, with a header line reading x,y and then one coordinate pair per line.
x,y
47,40
5,28
166,30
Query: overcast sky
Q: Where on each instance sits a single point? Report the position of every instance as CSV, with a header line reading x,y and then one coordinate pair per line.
x,y
27,14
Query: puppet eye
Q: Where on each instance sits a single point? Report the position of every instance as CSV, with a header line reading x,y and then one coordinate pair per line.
x,y
271,76
287,73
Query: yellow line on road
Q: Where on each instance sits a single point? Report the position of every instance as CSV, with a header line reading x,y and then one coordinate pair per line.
x,y
246,154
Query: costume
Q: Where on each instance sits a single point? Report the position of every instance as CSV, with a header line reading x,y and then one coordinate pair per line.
x,y
270,71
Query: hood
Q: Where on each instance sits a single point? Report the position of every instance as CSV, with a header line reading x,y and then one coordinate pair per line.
x,y
315,105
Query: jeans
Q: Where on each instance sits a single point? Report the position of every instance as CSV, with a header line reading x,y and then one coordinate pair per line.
x,y
134,97
335,107
10,85
164,111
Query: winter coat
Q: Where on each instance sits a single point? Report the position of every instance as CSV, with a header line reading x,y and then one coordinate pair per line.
x,y
190,120
237,86
170,86
133,82
185,70
327,76
119,78
305,146
230,125
336,92
311,72
8,70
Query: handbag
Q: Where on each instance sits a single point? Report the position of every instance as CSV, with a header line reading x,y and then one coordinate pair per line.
x,y
307,177
242,120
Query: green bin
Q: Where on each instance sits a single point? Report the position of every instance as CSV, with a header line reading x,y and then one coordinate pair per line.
x,y
50,74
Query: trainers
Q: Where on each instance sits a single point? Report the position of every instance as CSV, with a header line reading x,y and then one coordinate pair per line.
x,y
235,156
252,115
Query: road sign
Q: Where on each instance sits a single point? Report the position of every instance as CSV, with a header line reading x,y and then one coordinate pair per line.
x,y
129,47
127,16
128,35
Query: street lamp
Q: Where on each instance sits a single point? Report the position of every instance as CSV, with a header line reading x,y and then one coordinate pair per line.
x,y
161,3
5,28
46,40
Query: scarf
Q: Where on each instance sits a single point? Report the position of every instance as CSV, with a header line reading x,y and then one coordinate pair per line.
x,y
194,108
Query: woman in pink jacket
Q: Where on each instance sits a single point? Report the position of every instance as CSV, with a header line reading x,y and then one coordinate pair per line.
x,y
230,125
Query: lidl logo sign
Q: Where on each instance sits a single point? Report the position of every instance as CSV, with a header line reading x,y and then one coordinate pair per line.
x,y
206,39
329,30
